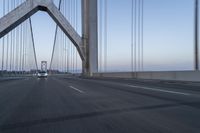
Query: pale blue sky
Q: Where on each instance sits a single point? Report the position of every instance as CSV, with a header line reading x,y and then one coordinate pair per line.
x,y
168,34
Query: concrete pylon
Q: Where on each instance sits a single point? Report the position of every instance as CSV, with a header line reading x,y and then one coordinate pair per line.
x,y
86,46
90,36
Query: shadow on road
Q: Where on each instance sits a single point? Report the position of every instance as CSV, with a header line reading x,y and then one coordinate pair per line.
x,y
88,115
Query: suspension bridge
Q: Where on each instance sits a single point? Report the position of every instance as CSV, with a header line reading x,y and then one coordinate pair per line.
x,y
86,91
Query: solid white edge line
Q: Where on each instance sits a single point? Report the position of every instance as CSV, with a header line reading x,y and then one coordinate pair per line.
x,y
167,91
76,89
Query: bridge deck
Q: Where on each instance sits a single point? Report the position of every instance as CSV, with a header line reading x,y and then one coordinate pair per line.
x,y
76,105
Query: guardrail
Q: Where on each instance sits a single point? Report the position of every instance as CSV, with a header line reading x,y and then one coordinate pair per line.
x,y
160,75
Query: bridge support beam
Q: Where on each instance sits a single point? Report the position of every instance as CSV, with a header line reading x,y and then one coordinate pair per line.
x,y
90,36
28,8
87,46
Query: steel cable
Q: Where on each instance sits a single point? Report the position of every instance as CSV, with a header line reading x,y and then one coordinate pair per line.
x,y
105,34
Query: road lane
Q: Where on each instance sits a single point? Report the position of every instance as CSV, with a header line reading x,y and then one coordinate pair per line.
x,y
76,89
58,105
186,90
161,90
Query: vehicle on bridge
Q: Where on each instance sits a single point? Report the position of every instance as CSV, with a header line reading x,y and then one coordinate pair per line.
x,y
42,74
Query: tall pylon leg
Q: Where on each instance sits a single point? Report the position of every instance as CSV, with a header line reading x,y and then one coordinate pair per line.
x,y
90,36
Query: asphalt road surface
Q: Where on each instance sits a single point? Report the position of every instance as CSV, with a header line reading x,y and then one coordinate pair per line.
x,y
78,105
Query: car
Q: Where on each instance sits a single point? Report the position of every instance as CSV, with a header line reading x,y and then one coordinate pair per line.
x,y
42,74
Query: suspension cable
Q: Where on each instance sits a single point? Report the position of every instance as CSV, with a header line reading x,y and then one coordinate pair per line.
x,y
11,42
105,35
61,46
135,37
68,46
55,38
76,23
73,23
21,41
71,48
23,46
17,43
64,41
139,27
19,48
2,67
142,35
7,40
100,34
132,29
14,43
32,39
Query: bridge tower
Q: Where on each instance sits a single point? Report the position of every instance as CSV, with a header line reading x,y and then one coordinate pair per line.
x,y
90,36
43,65
86,45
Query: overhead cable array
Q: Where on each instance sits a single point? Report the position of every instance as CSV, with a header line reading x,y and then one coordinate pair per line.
x,y
103,35
65,58
17,47
137,43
